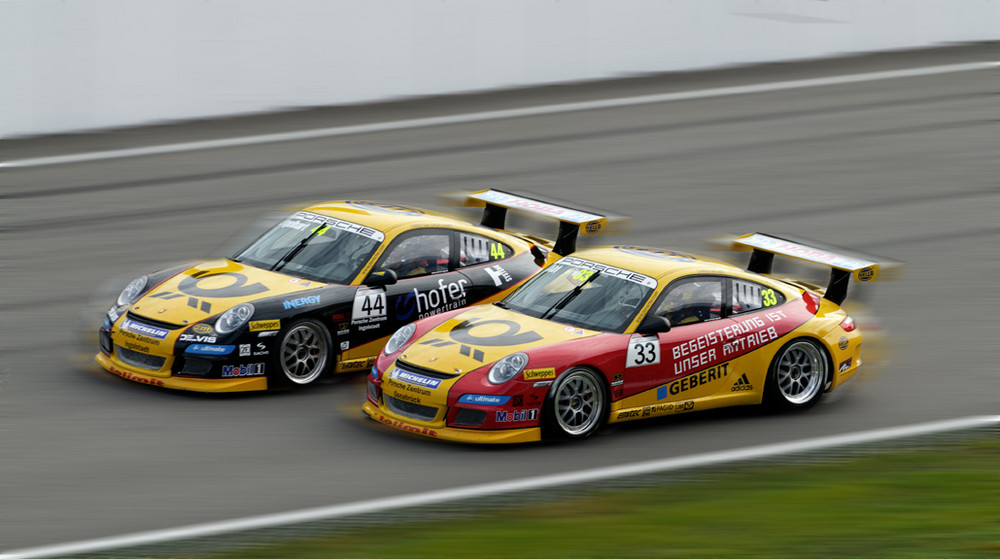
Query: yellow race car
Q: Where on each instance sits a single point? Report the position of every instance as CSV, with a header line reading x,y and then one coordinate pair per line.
x,y
321,291
620,333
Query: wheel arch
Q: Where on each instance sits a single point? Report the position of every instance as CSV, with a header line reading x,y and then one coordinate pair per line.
x,y
550,431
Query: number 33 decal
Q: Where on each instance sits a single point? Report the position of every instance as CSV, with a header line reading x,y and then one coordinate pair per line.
x,y
643,350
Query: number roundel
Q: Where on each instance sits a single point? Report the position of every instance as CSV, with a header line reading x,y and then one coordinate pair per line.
x,y
642,351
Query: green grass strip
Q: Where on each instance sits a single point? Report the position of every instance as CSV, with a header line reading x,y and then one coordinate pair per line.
x,y
936,503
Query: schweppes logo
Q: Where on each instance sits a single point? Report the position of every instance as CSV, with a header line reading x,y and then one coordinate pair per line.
x,y
539,374
264,325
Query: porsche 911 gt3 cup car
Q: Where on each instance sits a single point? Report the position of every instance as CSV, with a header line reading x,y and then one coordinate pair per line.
x,y
321,292
621,333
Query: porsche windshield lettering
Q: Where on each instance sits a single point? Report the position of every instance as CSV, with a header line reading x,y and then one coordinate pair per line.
x,y
314,247
606,270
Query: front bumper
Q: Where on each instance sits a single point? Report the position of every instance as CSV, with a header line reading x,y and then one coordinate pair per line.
x,y
181,383
385,417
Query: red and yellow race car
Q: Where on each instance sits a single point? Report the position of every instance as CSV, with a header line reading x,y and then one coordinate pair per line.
x,y
321,291
620,333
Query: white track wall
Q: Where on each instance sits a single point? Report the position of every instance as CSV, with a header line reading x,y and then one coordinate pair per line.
x,y
69,65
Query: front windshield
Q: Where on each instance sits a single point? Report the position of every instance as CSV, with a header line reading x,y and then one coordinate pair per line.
x,y
585,294
314,247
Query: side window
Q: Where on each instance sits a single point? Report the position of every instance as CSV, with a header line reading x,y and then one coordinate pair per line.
x,y
418,255
477,249
692,300
750,296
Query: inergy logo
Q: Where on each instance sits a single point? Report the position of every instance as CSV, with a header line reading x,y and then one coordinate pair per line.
x,y
416,379
446,297
145,330
301,302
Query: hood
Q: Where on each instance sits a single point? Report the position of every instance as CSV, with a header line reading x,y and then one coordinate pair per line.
x,y
211,288
482,335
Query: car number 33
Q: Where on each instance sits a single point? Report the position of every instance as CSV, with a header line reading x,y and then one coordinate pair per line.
x,y
643,350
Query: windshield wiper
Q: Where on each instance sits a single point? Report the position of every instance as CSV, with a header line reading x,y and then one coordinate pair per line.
x,y
568,297
298,248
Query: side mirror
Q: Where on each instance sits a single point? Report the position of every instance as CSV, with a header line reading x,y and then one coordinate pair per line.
x,y
381,278
653,324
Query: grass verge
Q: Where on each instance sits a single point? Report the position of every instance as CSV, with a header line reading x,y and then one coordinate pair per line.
x,y
937,502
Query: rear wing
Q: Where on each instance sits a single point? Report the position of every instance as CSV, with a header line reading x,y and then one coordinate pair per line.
x,y
572,222
843,264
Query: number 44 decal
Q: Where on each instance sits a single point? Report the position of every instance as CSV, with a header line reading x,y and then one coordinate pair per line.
x,y
368,303
643,350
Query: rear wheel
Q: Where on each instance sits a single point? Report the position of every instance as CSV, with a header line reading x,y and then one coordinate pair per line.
x,y
797,376
304,353
577,405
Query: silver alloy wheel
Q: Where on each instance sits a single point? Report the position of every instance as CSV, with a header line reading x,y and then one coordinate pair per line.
x,y
800,372
579,403
304,351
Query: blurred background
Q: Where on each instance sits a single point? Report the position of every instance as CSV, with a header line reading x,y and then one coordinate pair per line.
x,y
134,136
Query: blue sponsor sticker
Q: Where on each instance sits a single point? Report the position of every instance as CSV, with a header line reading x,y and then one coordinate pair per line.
x,y
301,302
483,399
415,379
207,349
144,329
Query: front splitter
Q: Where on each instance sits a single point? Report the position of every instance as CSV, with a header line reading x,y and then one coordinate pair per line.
x,y
178,383
525,435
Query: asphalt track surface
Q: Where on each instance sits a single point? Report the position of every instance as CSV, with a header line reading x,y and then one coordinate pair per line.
x,y
903,168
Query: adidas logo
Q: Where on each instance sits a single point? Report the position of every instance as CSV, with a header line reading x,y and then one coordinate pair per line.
x,y
742,384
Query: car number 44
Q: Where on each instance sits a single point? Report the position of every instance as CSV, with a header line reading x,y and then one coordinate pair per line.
x,y
369,303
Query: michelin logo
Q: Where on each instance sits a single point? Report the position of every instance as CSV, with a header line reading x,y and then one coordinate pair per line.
x,y
418,380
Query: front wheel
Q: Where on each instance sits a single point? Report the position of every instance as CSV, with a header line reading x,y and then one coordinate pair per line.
x,y
303,353
797,376
577,405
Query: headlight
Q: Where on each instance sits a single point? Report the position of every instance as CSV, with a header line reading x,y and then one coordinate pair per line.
x,y
131,292
507,368
234,318
401,336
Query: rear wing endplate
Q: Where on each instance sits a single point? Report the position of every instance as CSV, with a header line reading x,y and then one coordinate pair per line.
x,y
843,264
572,222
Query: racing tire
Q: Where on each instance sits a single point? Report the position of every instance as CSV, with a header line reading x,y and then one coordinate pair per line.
x,y
576,406
797,376
304,354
